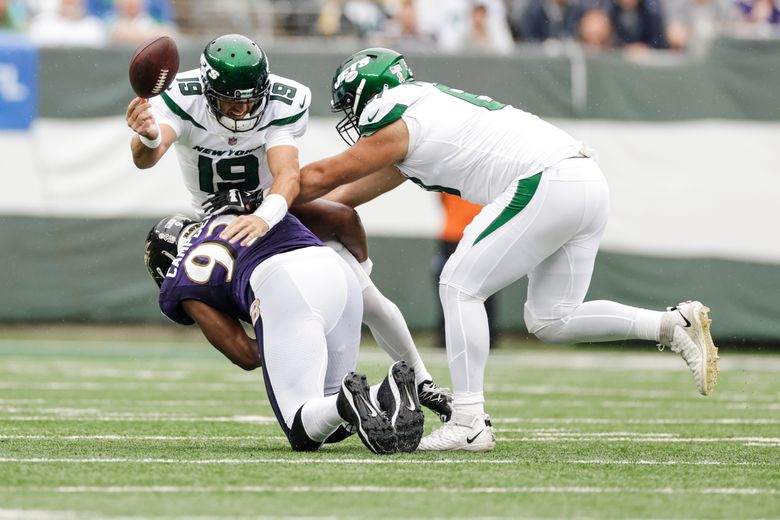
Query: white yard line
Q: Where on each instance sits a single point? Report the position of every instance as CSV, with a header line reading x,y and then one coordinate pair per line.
x,y
372,461
599,420
510,490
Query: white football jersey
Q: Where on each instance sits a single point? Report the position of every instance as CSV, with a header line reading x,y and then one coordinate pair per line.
x,y
211,157
466,144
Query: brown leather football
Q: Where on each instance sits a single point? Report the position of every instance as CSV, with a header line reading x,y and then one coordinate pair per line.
x,y
153,66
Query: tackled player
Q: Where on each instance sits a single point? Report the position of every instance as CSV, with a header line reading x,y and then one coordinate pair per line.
x,y
235,125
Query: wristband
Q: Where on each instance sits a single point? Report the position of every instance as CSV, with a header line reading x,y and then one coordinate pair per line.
x,y
272,210
152,143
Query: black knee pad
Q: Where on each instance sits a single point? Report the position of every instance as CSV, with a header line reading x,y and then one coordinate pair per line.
x,y
299,439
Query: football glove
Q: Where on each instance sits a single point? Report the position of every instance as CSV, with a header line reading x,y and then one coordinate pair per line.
x,y
232,200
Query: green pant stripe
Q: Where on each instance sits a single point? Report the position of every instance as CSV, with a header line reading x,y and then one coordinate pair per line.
x,y
525,191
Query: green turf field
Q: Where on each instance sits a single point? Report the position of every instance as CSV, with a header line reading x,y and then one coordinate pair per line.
x,y
121,423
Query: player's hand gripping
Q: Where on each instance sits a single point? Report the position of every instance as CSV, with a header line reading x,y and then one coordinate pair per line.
x,y
246,227
140,119
234,200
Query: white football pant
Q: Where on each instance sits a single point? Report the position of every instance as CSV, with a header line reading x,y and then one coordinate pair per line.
x,y
553,240
310,307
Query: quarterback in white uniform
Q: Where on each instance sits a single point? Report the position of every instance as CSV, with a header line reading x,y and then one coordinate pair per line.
x,y
545,210
235,125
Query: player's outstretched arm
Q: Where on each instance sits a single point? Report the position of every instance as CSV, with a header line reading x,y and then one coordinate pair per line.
x,y
370,154
333,221
156,138
225,333
368,188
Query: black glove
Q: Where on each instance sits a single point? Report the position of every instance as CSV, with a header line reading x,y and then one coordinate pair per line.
x,y
232,200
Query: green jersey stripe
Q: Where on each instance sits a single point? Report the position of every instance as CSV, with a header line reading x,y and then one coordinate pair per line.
x,y
434,187
176,109
283,121
394,114
525,191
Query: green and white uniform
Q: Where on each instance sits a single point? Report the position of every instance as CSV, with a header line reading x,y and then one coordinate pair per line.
x,y
211,157
545,209
467,145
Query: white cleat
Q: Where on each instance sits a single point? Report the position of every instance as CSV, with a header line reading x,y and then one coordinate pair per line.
x,y
463,432
690,337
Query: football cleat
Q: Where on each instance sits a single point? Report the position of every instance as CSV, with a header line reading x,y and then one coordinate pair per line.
x,y
436,399
463,432
397,396
372,425
689,336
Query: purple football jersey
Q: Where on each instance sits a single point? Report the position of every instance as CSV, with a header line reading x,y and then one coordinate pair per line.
x,y
217,273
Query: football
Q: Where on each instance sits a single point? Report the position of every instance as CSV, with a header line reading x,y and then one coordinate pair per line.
x,y
153,66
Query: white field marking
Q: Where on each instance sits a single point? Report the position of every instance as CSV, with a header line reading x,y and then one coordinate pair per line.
x,y
140,437
597,420
512,490
243,419
606,392
628,439
374,461
763,445
240,462
633,436
670,462
124,385
43,514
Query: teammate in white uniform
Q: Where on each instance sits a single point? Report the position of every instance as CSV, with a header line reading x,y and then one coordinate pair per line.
x,y
545,210
235,125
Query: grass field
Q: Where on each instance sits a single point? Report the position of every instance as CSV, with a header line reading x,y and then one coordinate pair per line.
x,y
123,423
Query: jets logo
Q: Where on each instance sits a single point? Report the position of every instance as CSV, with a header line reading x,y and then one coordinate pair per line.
x,y
206,69
349,74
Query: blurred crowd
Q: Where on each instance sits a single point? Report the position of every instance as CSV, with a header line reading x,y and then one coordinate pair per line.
x,y
87,23
491,26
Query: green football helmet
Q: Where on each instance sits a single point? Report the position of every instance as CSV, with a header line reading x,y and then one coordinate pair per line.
x,y
234,69
362,76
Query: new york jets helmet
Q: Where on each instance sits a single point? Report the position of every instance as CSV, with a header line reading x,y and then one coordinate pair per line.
x,y
163,243
361,77
233,68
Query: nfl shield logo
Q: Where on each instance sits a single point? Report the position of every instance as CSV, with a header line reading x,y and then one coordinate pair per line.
x,y
232,141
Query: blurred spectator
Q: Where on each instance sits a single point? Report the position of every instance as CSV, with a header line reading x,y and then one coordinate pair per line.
x,y
693,24
403,32
546,19
461,25
68,25
757,17
365,17
132,23
13,15
160,10
458,213
595,30
638,23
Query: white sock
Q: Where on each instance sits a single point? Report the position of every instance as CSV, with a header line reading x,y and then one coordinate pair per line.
x,y
320,417
472,403
389,328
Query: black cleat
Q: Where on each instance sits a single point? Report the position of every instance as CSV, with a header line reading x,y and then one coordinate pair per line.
x,y
436,399
397,396
373,427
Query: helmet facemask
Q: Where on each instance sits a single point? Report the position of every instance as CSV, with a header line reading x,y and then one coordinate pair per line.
x,y
259,98
164,242
348,126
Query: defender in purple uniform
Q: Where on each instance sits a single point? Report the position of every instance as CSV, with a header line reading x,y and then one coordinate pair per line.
x,y
305,305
